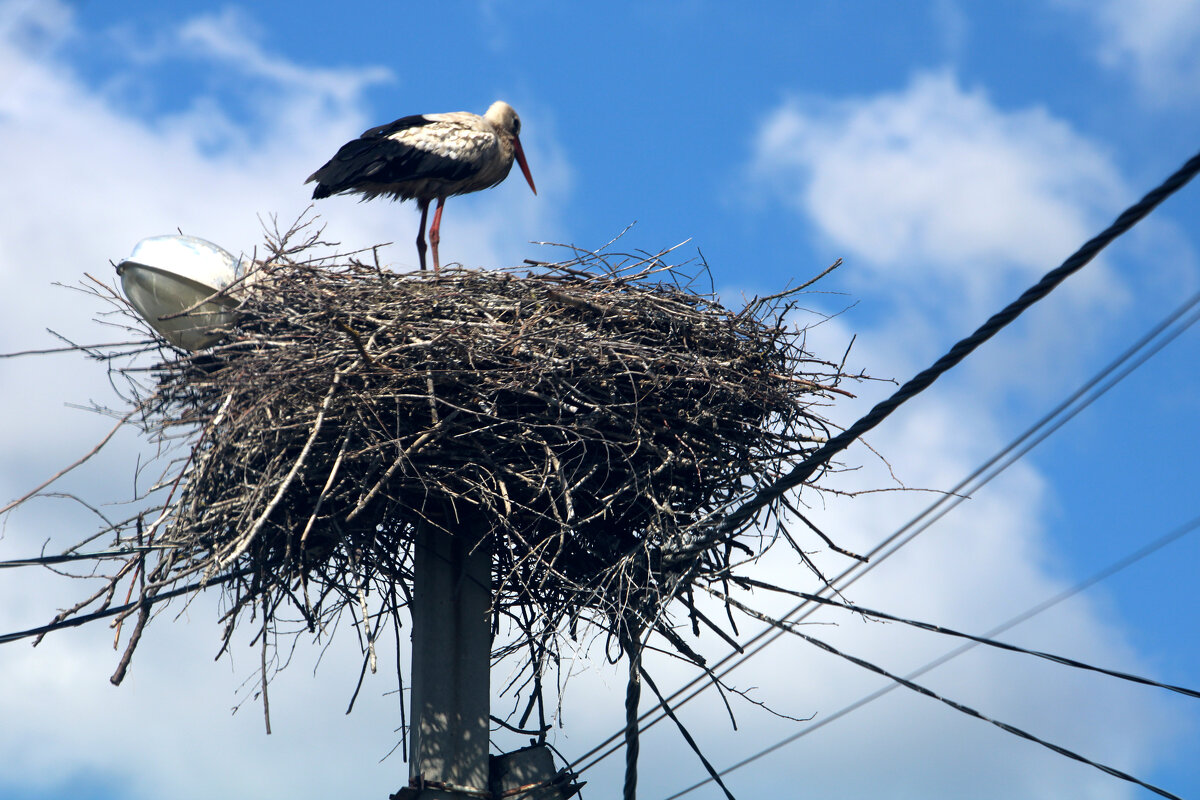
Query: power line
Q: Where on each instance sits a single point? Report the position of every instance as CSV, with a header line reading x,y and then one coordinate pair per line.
x,y
1158,337
984,640
971,712
1103,574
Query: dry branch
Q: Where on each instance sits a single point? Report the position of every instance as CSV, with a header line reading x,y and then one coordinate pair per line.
x,y
593,417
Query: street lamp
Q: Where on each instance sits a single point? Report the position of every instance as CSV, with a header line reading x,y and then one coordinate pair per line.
x,y
168,279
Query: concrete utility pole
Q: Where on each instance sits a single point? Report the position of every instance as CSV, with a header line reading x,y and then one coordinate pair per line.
x,y
451,663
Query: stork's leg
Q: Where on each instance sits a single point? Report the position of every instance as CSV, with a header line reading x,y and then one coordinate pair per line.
x,y
435,231
424,206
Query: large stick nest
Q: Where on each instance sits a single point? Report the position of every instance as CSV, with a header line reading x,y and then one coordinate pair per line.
x,y
583,420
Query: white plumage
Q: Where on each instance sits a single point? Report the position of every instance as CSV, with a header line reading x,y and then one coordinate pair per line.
x,y
427,157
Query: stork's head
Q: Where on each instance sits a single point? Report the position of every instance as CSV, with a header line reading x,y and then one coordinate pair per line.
x,y
504,119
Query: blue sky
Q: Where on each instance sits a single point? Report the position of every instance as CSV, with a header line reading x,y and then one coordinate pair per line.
x,y
950,152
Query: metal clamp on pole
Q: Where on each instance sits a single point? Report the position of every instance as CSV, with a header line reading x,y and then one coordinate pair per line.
x,y
417,786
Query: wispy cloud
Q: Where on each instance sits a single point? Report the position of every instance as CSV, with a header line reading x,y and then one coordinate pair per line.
x,y
1156,42
935,177
230,36
952,24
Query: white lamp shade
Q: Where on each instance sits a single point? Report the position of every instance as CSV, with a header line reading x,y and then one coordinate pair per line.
x,y
167,275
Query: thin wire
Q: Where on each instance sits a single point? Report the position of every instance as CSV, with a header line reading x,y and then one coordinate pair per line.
x,y
1101,575
124,552
971,712
1108,377
74,348
984,640
74,622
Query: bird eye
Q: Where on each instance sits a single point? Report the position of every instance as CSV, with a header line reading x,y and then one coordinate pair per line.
x,y
516,126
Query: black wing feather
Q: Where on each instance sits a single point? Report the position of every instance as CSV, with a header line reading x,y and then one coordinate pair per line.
x,y
402,124
376,159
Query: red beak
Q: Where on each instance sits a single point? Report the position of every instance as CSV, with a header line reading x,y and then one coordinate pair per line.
x,y
520,154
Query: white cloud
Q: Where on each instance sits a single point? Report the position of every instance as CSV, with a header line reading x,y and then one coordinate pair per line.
x,y
1157,42
936,178
947,206
231,37
953,27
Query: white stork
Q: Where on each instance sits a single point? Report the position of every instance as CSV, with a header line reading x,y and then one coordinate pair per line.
x,y
426,157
